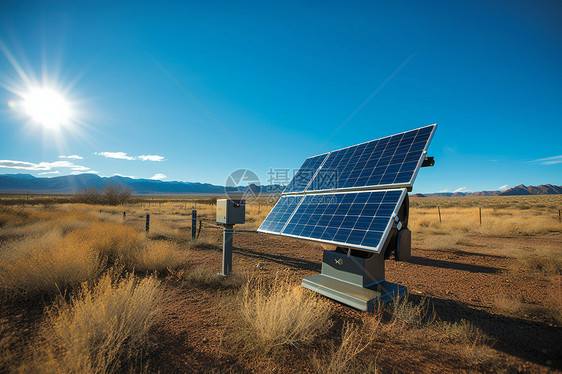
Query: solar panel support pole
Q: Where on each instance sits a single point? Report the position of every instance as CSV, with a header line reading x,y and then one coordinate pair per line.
x,y
228,233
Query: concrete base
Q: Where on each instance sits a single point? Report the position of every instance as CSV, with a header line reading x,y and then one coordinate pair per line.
x,y
363,298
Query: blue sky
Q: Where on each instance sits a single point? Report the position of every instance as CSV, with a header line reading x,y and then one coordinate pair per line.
x,y
192,91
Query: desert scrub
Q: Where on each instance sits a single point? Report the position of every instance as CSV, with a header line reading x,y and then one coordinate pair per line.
x,y
280,315
111,240
461,331
99,329
495,222
155,256
407,314
355,339
51,270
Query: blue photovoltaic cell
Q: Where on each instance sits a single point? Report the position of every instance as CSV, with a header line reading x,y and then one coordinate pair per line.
x,y
393,160
354,219
280,214
305,173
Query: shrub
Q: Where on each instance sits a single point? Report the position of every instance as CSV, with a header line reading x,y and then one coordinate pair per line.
x,y
100,328
355,339
111,240
156,256
110,195
50,270
280,316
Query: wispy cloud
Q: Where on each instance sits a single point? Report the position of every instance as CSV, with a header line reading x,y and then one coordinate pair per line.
x,y
503,188
460,189
158,176
549,160
125,156
49,172
118,155
24,165
151,158
72,157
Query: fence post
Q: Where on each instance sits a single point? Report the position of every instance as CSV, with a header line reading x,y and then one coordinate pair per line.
x,y
200,225
193,223
124,216
480,214
439,211
147,222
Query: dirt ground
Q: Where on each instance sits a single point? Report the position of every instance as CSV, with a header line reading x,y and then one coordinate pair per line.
x,y
459,285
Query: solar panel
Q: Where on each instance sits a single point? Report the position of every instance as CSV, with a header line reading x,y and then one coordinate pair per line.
x,y
280,214
306,172
358,220
390,162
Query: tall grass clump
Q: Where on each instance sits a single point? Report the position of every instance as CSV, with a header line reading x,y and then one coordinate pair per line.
x,y
405,313
156,256
280,315
49,271
101,328
110,240
355,339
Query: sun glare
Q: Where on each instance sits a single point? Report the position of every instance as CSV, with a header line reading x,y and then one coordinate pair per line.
x,y
47,107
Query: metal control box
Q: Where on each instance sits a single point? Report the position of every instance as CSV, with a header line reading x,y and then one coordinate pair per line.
x,y
231,212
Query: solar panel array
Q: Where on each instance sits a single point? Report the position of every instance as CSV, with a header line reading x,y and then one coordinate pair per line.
x,y
376,172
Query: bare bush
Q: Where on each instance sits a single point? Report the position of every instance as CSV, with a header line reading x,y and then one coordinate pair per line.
x,y
110,195
355,339
51,270
156,256
116,194
279,316
101,328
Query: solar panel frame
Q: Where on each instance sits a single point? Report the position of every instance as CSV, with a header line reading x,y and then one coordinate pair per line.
x,y
386,141
387,219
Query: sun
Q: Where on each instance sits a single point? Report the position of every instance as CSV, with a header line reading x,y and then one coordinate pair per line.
x,y
47,107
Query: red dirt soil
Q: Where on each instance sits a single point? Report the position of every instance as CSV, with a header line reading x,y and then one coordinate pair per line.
x,y
458,284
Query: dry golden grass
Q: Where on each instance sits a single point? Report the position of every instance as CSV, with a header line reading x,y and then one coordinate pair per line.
x,y
495,222
110,240
355,339
57,249
462,331
202,276
37,222
276,316
7,339
100,328
546,259
156,256
406,314
51,249
515,306
67,264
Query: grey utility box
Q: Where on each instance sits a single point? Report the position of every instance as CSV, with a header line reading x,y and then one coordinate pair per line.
x,y
231,212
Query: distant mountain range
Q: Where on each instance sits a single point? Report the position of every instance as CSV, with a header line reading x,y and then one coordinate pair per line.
x,y
26,183
543,189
